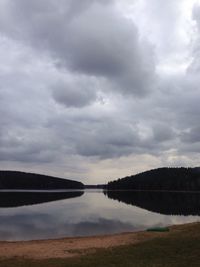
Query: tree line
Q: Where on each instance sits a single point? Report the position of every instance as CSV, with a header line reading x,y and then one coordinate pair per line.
x,y
172,179
23,180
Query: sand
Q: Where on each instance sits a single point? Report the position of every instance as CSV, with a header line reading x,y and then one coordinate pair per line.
x,y
73,247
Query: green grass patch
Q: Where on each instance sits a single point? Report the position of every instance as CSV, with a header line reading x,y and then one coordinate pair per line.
x,y
177,249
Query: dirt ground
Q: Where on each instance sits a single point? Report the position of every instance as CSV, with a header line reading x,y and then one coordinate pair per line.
x,y
71,247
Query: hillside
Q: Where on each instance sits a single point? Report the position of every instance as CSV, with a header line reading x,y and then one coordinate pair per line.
x,y
22,180
173,179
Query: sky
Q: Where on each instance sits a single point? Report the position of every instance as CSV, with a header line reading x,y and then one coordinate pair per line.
x,y
94,90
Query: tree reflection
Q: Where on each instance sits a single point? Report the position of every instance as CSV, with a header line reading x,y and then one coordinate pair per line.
x,y
169,203
16,199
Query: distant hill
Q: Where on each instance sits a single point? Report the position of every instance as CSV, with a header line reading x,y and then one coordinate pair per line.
x,y
22,180
172,179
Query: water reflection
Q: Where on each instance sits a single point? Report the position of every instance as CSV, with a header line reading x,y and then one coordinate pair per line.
x,y
169,203
10,199
90,214
75,216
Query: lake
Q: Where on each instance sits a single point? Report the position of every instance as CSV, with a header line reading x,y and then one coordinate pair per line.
x,y
55,214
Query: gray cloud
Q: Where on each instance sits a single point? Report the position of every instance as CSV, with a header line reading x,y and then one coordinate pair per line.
x,y
96,41
107,139
99,47
163,132
195,65
77,93
78,86
165,24
192,136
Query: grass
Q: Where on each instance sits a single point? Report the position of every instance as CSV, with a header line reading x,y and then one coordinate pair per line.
x,y
180,248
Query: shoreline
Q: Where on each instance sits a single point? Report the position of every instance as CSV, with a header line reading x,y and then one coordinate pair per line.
x,y
77,246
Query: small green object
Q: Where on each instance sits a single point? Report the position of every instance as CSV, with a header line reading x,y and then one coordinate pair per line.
x,y
158,229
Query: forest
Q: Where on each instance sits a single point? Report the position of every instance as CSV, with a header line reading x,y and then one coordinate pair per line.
x,y
30,181
170,179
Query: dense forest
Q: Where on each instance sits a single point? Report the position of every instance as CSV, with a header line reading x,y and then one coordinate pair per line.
x,y
168,203
172,179
22,180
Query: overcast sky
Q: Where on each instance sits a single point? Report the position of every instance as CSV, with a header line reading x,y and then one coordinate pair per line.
x,y
95,90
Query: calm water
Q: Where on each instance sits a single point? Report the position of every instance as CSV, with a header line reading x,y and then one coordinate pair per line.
x,y
33,215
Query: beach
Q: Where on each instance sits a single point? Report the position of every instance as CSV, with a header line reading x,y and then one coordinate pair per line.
x,y
78,246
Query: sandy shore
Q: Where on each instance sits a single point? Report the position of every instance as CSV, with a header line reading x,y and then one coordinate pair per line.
x,y
72,247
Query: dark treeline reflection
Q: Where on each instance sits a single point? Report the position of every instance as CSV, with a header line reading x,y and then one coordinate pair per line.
x,y
16,199
169,203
